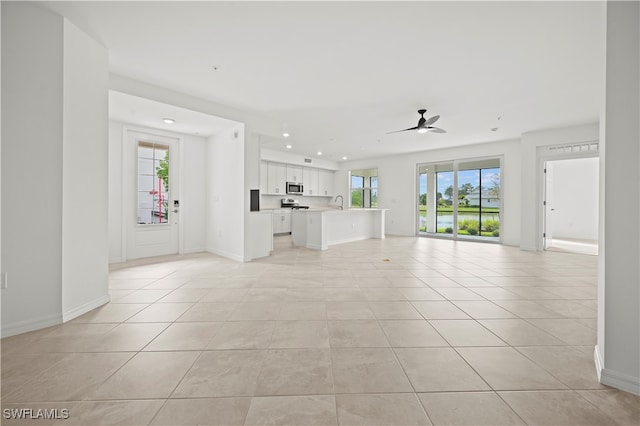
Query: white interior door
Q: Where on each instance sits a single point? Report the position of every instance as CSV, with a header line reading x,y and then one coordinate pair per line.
x,y
548,205
152,204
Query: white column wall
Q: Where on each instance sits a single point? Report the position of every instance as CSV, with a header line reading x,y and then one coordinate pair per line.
x,y
193,193
225,223
85,254
32,59
618,346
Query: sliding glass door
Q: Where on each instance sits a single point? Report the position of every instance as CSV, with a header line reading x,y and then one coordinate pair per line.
x,y
460,199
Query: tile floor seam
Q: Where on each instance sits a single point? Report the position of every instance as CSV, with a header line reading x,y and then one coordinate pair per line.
x,y
402,368
510,407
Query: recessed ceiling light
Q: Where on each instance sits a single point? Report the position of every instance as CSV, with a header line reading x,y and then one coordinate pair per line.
x,y
285,135
289,147
344,158
319,152
169,120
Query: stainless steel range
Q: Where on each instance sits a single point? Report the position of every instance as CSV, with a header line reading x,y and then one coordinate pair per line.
x,y
291,203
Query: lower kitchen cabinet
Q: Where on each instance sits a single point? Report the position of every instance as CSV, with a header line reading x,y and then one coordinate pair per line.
x,y
282,221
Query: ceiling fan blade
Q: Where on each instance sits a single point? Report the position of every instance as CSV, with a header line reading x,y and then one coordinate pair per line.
x,y
435,130
431,120
404,130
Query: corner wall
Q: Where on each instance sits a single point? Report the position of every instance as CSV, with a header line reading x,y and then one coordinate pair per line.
x,y
84,176
617,352
54,183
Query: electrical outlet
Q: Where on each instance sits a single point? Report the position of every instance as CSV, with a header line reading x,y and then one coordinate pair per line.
x,y
3,280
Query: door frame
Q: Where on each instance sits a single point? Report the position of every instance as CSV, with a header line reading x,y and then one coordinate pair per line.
x,y
544,155
127,163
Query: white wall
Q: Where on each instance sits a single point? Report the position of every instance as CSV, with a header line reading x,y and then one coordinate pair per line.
x,y
115,222
397,183
54,241
193,193
192,190
226,194
618,343
84,174
32,60
574,198
531,172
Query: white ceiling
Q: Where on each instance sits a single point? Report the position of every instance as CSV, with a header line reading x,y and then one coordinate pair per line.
x,y
340,75
145,112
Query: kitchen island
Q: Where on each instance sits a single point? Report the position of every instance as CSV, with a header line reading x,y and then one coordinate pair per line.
x,y
319,229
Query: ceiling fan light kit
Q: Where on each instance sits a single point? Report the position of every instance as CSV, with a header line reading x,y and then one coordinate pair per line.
x,y
424,124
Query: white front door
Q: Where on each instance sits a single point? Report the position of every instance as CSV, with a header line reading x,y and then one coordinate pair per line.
x,y
152,204
548,205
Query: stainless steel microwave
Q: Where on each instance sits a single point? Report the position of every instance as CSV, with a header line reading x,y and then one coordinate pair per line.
x,y
294,188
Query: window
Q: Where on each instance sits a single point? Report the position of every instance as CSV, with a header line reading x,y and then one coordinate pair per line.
x,y
364,188
153,183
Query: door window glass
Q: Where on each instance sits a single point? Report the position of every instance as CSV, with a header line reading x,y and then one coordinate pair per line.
x,y
153,183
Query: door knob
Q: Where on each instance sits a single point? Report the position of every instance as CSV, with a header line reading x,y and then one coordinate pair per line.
x,y
175,210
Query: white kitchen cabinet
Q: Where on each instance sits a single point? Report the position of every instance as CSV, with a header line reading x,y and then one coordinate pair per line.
x,y
294,174
325,183
276,178
264,177
310,181
281,221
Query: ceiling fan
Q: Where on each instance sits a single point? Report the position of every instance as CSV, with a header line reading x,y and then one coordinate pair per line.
x,y
424,124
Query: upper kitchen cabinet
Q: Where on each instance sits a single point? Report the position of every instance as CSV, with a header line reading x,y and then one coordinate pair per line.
x,y
294,174
310,181
276,179
325,183
264,177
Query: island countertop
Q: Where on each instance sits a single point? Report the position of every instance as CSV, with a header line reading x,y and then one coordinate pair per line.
x,y
321,228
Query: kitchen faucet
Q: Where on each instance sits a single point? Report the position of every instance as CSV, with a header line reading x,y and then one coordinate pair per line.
x,y
341,201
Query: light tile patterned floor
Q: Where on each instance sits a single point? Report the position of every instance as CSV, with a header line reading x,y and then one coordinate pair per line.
x,y
408,331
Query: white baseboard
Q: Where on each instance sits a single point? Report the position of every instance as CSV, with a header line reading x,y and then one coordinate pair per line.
x,y
228,255
614,379
84,308
598,362
620,381
115,260
350,240
30,325
193,250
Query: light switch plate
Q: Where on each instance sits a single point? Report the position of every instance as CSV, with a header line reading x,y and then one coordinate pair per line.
x,y
3,280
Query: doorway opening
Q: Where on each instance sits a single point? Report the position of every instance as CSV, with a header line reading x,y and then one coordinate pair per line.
x,y
570,216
